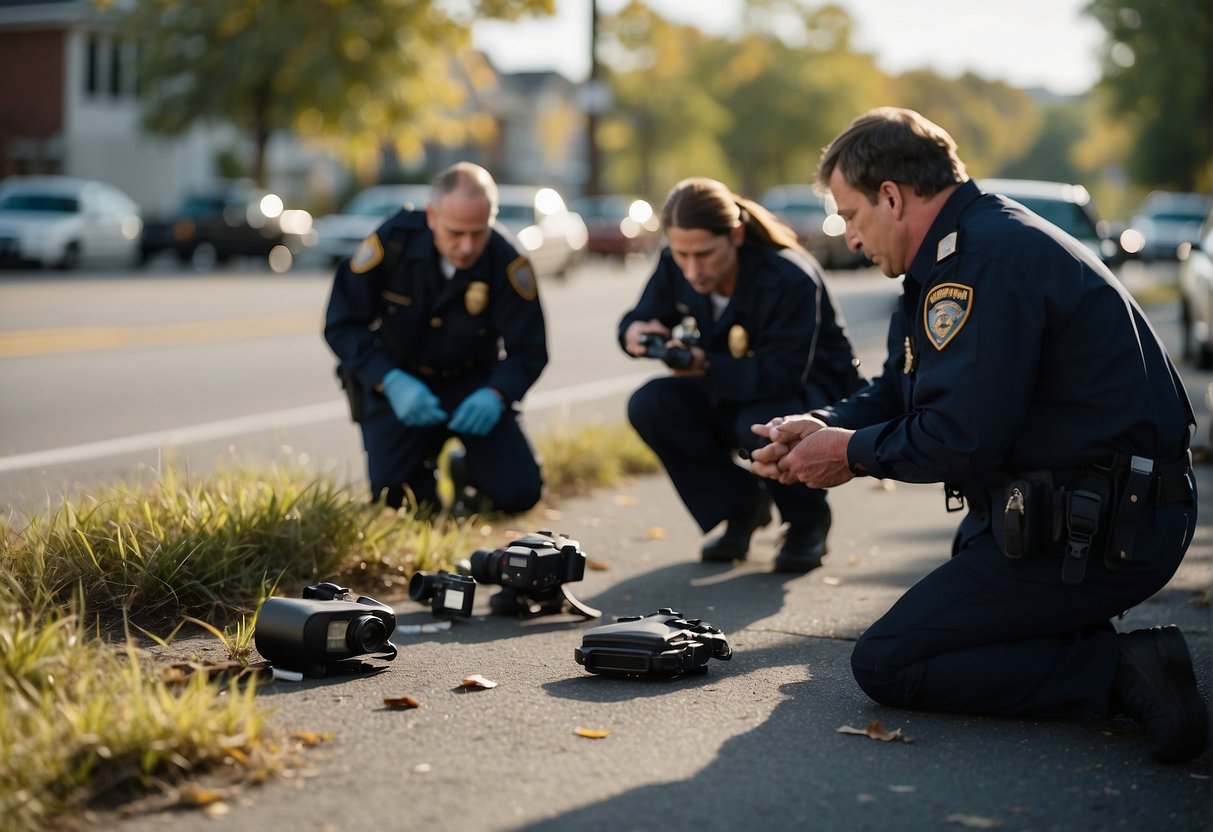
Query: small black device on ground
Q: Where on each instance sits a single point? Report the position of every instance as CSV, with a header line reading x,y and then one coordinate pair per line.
x,y
661,644
322,630
533,571
444,592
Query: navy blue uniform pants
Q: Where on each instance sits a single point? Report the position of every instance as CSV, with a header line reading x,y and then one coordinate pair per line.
x,y
695,437
401,460
985,635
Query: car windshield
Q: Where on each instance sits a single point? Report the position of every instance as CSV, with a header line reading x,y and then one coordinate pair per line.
x,y
200,206
1067,216
48,203
513,212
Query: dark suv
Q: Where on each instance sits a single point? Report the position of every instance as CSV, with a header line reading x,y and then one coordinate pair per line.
x,y
215,226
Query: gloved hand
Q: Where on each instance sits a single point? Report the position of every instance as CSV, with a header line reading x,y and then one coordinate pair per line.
x,y
477,414
412,402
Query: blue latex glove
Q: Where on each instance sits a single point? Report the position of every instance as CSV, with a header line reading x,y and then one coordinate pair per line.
x,y
477,414
412,402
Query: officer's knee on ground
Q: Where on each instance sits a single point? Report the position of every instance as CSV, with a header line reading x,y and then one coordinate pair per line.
x,y
645,407
517,497
874,673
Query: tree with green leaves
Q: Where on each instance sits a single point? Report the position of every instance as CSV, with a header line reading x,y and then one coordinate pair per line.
x,y
367,73
1158,69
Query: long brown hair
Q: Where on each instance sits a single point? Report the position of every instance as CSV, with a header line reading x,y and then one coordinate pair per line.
x,y
700,202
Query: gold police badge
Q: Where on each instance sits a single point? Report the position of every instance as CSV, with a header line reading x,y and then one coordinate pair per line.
x,y
739,341
946,311
476,297
367,256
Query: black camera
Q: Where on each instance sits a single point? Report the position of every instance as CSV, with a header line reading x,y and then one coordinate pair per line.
x,y
325,627
662,644
677,358
444,592
533,570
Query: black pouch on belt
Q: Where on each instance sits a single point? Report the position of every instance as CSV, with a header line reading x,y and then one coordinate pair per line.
x,y
1031,523
353,392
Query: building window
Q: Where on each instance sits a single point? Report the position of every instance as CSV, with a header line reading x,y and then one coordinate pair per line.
x,y
116,74
92,65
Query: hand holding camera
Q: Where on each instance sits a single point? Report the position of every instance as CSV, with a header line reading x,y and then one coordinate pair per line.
x,y
676,358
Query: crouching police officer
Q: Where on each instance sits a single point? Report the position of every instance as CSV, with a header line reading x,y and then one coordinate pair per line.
x,y
764,337
437,324
1023,376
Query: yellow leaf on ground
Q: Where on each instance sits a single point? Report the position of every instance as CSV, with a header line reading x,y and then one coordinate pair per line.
x,y
655,533
832,580
401,702
625,500
310,738
597,565
196,796
592,733
478,681
974,821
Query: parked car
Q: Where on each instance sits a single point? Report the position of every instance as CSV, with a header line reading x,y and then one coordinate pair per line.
x,y
65,222
234,221
553,236
1066,205
816,222
1196,296
337,235
1165,220
619,224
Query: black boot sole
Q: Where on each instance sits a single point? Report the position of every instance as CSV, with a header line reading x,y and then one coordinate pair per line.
x,y
1187,717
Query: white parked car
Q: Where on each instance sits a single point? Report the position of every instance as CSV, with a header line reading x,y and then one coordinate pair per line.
x,y
553,236
337,235
64,222
1066,205
1165,221
1196,297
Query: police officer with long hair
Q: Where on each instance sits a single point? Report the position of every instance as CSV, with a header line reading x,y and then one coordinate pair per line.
x,y
736,289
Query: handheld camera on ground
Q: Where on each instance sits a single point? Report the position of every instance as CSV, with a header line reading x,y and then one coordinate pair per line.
x,y
326,627
444,592
676,358
533,571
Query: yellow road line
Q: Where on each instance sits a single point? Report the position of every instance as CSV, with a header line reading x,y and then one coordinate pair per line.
x,y
28,342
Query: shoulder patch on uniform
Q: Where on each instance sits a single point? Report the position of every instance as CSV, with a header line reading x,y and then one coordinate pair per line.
x,y
522,278
367,256
946,311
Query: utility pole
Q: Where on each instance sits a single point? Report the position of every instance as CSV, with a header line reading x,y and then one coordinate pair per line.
x,y
595,102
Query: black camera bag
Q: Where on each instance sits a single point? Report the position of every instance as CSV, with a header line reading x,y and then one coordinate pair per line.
x,y
660,644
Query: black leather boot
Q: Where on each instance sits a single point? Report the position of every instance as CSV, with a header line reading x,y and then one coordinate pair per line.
x,y
802,548
734,543
1155,685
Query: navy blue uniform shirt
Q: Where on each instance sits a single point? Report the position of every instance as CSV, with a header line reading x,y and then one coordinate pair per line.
x,y
779,337
391,307
1014,348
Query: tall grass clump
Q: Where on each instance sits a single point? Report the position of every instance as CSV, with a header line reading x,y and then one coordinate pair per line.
x,y
211,548
79,719
577,460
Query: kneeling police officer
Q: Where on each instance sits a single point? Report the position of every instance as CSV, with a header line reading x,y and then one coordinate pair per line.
x,y
437,324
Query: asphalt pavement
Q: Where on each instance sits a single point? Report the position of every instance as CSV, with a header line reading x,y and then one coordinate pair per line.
x,y
753,743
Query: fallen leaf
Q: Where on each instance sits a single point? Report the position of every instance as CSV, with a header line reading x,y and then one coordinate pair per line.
x,y
310,738
884,485
401,702
974,821
597,565
831,580
877,732
592,733
421,768
625,500
655,533
195,796
478,681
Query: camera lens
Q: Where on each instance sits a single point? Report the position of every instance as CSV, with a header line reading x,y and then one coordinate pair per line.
x,y
485,566
422,586
366,634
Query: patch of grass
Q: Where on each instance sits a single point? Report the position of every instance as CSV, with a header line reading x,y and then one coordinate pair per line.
x,y
79,717
582,459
